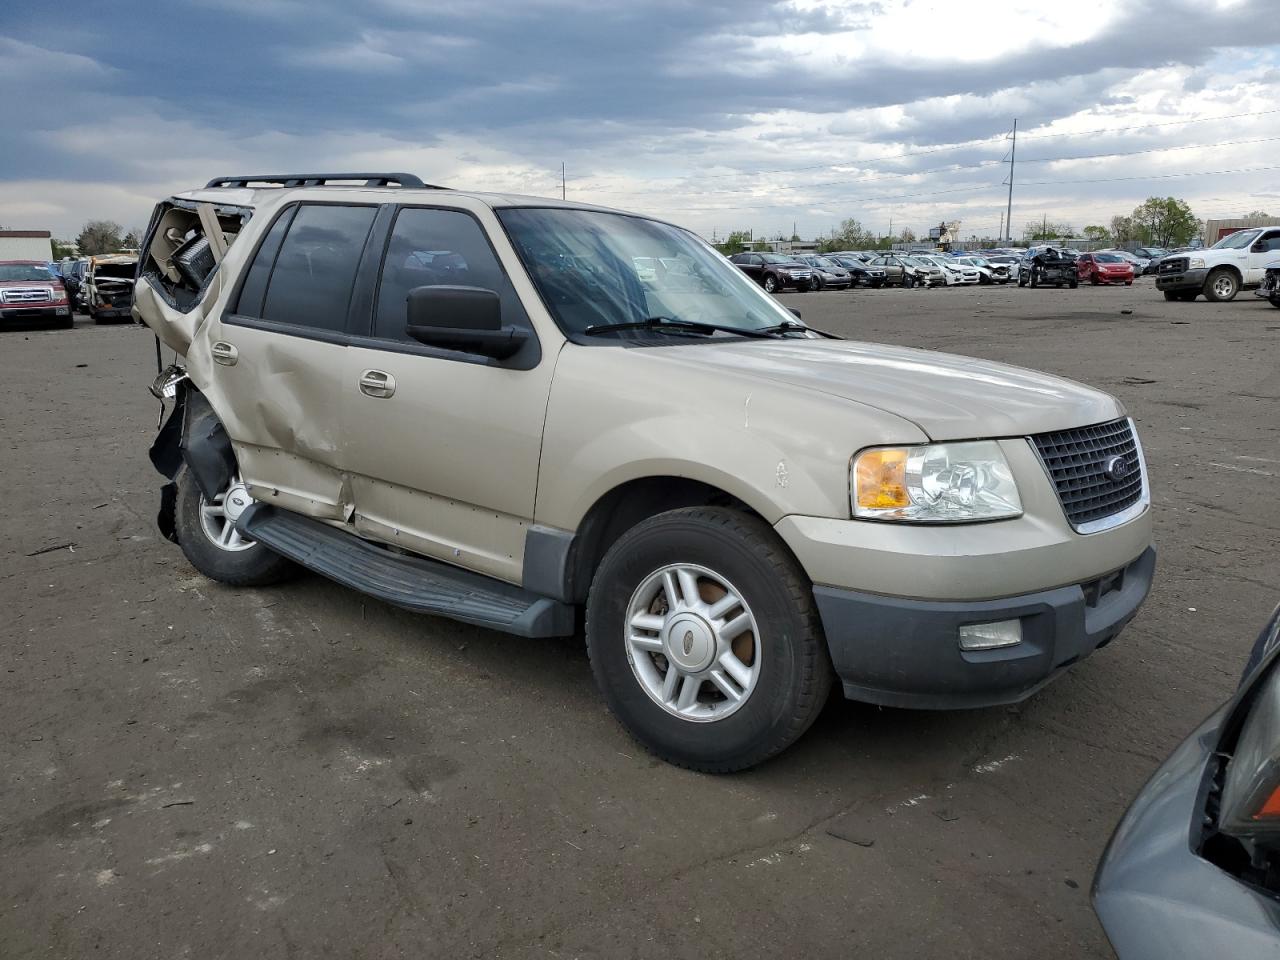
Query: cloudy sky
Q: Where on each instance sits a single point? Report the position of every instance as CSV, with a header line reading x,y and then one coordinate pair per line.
x,y
717,114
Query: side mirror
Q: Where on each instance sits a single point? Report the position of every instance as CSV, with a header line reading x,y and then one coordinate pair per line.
x,y
796,313
467,319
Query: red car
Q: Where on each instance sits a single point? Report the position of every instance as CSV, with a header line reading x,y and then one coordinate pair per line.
x,y
29,290
1104,268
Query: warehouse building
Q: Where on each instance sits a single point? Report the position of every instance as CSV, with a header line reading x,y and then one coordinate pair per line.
x,y
26,245
1215,230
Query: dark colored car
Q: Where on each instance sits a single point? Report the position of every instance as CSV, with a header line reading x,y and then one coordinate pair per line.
x,y
1152,255
827,274
859,270
1048,266
1193,869
773,271
73,272
29,290
1104,268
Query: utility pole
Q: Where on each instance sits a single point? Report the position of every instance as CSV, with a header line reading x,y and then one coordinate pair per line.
x,y
562,193
1013,157
1000,232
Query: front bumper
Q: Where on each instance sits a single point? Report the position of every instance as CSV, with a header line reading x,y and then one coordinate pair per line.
x,y
905,653
113,311
1184,280
45,312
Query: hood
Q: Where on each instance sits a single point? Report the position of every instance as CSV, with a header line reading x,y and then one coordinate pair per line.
x,y
42,282
947,396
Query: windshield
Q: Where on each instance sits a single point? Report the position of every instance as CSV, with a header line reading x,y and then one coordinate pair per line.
x,y
825,263
593,268
1107,258
24,271
774,258
1237,241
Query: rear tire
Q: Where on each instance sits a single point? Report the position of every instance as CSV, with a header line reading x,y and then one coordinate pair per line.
x,y
238,562
782,671
1172,295
908,281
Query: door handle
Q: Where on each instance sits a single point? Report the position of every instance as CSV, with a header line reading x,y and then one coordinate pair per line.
x,y
225,353
377,383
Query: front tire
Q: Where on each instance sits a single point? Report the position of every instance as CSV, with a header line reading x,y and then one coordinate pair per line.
x,y
1221,286
211,543
908,281
705,641
770,284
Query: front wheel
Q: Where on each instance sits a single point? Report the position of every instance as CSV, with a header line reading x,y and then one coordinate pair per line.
x,y
770,284
1171,295
207,533
705,641
908,280
1221,286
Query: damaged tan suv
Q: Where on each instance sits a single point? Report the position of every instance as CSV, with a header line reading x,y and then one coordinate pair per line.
x,y
506,410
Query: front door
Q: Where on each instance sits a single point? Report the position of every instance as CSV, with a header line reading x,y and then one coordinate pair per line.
x,y
442,447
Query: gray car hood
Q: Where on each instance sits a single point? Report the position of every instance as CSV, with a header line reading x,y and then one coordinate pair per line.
x,y
947,396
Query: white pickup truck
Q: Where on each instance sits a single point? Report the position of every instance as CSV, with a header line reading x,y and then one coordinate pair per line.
x,y
1236,262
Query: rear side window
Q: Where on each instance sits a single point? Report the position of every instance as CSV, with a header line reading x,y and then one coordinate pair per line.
x,y
311,280
255,282
432,248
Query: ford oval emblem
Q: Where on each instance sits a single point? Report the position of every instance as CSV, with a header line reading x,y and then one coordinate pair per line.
x,y
687,644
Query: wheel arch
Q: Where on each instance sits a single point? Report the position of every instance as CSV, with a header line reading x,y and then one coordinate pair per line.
x,y
561,564
194,437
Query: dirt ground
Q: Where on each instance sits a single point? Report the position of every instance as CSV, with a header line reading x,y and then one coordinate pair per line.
x,y
195,771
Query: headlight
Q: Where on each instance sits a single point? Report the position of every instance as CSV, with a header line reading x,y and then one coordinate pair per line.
x,y
1196,263
934,483
59,296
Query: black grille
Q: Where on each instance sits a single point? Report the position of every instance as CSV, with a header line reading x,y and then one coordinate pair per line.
x,y
1082,462
1173,265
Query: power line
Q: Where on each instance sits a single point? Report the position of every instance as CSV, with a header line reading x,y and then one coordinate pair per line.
x,y
1159,176
966,145
1134,153
1148,126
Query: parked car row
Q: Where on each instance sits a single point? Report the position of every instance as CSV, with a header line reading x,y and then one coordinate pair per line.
x,y
100,286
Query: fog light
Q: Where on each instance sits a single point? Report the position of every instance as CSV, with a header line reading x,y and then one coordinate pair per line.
x,y
990,636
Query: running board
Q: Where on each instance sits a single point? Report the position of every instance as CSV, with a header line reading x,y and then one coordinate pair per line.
x,y
415,583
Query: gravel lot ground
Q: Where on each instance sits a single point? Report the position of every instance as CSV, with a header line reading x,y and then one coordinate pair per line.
x,y
301,772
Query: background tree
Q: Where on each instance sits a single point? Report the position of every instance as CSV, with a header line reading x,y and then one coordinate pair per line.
x,y
132,240
1123,230
1096,234
907,236
736,242
851,236
99,236
1045,230
1165,222
62,248
1260,214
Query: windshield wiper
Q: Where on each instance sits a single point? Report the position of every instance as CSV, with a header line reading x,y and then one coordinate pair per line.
x,y
795,326
690,326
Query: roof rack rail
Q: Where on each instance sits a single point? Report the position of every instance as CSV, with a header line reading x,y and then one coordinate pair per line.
x,y
322,179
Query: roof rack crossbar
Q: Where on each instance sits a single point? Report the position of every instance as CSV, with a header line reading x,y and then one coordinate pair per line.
x,y
322,179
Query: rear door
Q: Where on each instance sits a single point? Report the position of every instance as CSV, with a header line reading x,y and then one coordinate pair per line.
x,y
442,446
278,356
